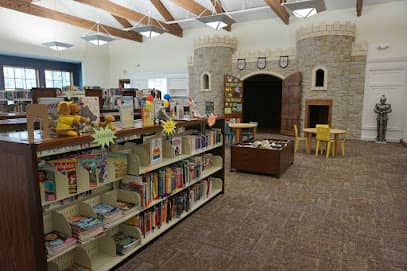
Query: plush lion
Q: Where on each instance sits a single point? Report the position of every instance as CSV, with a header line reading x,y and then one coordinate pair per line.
x,y
68,120
108,122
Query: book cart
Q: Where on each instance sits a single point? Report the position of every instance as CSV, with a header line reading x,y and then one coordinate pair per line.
x,y
27,217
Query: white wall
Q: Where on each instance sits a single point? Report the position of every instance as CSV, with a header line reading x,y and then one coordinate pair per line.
x,y
22,35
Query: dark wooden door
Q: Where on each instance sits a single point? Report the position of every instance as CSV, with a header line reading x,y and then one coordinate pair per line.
x,y
291,103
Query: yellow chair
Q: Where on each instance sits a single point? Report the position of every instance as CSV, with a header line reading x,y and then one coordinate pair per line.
x,y
342,142
323,135
299,139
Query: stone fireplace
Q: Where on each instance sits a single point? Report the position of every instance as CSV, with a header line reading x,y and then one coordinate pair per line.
x,y
318,111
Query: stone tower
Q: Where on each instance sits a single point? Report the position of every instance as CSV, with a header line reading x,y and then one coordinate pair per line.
x,y
212,60
330,47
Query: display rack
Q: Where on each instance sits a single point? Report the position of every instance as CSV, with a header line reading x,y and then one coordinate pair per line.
x,y
27,217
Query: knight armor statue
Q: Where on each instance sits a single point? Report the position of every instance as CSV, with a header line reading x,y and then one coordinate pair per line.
x,y
382,109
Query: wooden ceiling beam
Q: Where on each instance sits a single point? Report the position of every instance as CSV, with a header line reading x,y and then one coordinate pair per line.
x,y
219,9
124,22
193,7
158,4
32,9
359,7
279,10
129,14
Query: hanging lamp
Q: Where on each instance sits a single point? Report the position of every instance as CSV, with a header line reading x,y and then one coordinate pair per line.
x,y
97,37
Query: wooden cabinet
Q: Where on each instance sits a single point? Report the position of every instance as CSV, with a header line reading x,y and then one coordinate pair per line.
x,y
261,160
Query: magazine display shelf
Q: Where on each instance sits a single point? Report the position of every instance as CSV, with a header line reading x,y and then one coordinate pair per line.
x,y
22,242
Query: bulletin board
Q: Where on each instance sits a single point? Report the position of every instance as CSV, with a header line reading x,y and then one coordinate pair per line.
x,y
233,88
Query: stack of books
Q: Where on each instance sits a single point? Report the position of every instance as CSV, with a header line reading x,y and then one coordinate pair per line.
x,y
85,228
125,206
124,243
77,267
57,242
107,213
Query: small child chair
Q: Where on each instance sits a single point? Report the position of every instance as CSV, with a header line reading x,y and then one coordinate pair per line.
x,y
299,139
323,135
342,142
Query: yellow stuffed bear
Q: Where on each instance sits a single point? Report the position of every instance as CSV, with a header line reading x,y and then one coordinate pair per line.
x,y
68,121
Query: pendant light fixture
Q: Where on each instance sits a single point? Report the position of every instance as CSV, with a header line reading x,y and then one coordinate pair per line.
x,y
96,37
216,21
149,30
55,44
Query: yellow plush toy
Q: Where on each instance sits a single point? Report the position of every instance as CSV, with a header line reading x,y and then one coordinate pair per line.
x,y
108,122
68,121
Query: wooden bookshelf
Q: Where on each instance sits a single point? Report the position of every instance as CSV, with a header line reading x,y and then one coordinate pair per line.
x,y
22,238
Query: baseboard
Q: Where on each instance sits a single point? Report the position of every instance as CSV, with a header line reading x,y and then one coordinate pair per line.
x,y
403,142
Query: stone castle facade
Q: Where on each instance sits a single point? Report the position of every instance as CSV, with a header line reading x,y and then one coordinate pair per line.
x,y
330,47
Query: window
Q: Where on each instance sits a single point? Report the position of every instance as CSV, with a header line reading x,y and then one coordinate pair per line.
x,y
159,84
58,79
205,82
19,78
319,79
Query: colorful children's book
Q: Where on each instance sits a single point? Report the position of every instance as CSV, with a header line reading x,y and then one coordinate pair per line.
x,y
176,143
119,160
47,179
90,108
68,168
90,163
156,149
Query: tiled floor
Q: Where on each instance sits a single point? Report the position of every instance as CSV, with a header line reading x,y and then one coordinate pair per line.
x,y
337,214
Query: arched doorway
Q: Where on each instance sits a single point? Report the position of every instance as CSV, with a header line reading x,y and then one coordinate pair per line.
x,y
262,101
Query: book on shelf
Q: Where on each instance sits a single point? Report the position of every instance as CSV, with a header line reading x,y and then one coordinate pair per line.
x,y
85,228
90,108
156,146
107,213
90,163
164,181
46,178
125,206
68,168
120,162
57,242
127,114
124,243
176,143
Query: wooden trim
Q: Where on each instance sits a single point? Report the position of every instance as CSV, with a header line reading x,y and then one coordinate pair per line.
x,y
22,238
279,10
359,7
158,4
404,143
308,102
32,9
219,9
129,14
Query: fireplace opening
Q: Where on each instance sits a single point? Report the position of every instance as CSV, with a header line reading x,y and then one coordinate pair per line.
x,y
318,114
317,111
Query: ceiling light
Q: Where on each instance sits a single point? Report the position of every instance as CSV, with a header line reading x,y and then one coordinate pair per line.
x,y
305,8
57,46
149,31
216,21
97,37
305,12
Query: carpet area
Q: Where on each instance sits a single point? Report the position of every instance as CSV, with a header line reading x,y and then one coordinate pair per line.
x,y
322,214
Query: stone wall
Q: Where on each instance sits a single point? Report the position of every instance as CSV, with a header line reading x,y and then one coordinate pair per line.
x,y
212,55
331,46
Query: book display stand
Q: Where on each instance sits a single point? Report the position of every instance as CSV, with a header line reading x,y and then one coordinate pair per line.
x,y
166,181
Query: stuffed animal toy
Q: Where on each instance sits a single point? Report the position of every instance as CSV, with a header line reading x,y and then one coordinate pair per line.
x,y
108,122
68,120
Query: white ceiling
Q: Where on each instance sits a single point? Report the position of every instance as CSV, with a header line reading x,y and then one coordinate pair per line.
x,y
145,7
